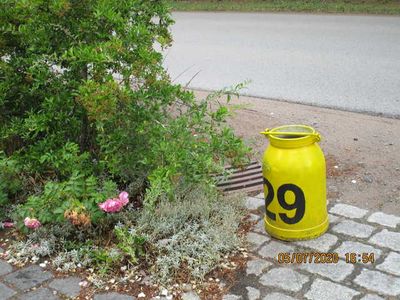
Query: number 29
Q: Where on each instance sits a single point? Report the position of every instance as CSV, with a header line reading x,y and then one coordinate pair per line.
x,y
299,203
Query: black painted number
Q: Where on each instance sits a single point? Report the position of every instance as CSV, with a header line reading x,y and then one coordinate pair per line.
x,y
268,199
299,203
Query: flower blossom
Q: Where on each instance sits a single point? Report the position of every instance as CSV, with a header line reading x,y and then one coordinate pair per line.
x,y
111,205
8,224
123,197
115,204
32,223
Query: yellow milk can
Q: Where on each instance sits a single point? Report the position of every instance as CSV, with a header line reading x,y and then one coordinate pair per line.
x,y
294,183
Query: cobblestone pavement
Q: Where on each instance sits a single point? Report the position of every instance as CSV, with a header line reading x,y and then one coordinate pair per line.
x,y
352,229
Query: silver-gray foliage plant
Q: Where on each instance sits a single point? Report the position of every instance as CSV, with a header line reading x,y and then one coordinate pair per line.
x,y
195,231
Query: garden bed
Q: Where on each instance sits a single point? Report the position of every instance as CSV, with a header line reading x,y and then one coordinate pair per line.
x,y
111,176
213,286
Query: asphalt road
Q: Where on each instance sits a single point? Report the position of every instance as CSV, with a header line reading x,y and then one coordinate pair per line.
x,y
342,61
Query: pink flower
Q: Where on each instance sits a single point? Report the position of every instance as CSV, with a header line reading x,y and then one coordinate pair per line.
x,y
115,204
32,223
123,197
8,224
111,205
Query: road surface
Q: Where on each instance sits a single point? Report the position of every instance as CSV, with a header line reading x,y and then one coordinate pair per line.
x,y
342,61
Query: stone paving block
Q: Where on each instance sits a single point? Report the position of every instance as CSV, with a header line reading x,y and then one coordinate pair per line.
x,y
384,219
252,293
256,239
278,296
354,229
335,272
348,211
391,264
260,195
386,238
334,219
112,296
260,227
273,248
379,282
253,217
284,278
28,277
257,266
322,289
6,292
254,203
39,294
190,296
322,243
232,297
68,286
5,268
371,297
356,247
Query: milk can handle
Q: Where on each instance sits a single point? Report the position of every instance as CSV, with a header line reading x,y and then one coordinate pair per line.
x,y
317,136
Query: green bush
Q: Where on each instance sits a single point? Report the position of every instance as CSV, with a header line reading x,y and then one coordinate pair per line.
x,y
83,91
86,111
130,243
10,183
75,200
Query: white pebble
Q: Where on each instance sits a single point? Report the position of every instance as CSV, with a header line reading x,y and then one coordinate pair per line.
x,y
141,295
354,181
83,283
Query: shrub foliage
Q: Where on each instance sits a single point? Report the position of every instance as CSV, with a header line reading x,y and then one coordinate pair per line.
x,y
86,109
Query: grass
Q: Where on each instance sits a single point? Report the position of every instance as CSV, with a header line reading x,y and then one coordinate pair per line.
x,y
387,7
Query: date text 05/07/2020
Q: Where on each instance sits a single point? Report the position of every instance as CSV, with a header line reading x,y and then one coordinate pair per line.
x,y
324,258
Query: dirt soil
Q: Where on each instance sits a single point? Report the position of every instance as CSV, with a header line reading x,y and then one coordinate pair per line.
x,y
365,149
